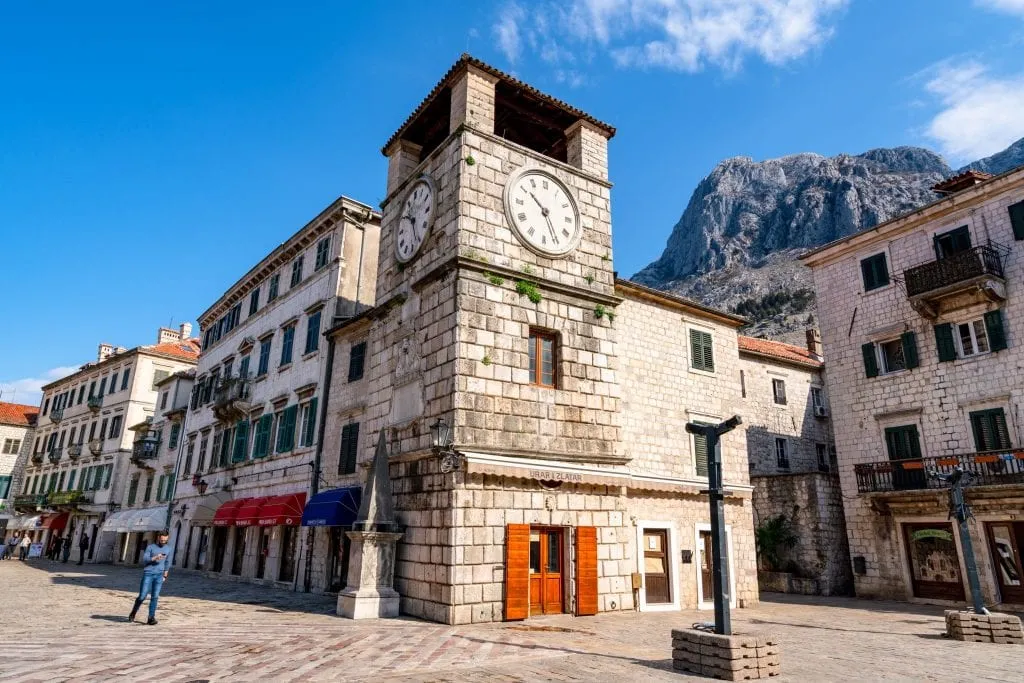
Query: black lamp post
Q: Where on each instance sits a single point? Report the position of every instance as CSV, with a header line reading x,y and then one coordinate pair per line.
x,y
441,441
201,486
958,508
716,495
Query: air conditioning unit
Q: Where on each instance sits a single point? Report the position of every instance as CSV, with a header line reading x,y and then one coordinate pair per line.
x,y
820,411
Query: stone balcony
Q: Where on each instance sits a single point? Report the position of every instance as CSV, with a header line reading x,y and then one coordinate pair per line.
x,y
987,468
75,451
68,498
145,451
231,399
56,415
95,403
963,279
29,501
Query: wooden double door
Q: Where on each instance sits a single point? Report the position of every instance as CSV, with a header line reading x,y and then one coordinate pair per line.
x,y
546,570
1006,540
934,561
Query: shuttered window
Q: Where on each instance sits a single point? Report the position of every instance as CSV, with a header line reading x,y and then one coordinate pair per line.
x,y
517,572
875,272
944,342
701,351
309,423
313,332
700,454
990,431
903,443
261,438
286,430
1017,220
994,328
356,361
586,570
241,448
349,449
323,252
288,339
779,391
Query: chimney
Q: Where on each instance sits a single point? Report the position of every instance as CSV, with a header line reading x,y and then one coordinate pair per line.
x,y
960,182
166,336
186,331
105,352
814,342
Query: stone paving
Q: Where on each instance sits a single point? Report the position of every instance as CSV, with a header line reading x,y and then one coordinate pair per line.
x,y
63,622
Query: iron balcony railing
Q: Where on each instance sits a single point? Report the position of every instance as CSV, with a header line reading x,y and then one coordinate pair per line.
x,y
29,500
74,451
68,497
95,403
966,265
146,448
991,467
231,397
57,414
55,453
37,458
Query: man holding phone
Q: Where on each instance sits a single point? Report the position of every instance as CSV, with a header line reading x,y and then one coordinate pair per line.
x,y
156,562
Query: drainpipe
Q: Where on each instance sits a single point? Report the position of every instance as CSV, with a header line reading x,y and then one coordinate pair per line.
x,y
314,486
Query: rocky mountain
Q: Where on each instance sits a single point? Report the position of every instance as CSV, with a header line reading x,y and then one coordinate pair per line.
x,y
736,244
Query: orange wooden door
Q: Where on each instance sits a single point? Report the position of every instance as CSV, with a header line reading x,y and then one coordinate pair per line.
x,y
546,571
586,570
517,571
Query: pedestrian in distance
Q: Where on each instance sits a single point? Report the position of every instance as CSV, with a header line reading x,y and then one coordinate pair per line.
x,y
83,545
53,548
66,551
26,542
156,562
11,544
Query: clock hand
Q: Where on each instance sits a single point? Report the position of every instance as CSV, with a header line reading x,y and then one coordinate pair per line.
x,y
554,237
543,211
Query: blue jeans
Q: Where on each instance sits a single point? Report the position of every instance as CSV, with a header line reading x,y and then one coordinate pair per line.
x,y
151,585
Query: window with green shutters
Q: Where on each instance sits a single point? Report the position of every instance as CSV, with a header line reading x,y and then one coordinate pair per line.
x,y
994,328
264,362
308,423
892,355
286,344
701,351
875,272
149,489
903,443
226,444
172,439
1017,219
286,430
133,487
71,481
241,448
356,361
944,343
261,439
5,486
349,449
990,431
243,367
700,454
323,252
296,271
254,301
313,332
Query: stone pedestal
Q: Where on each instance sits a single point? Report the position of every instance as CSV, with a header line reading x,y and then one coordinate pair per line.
x,y
371,573
984,628
739,657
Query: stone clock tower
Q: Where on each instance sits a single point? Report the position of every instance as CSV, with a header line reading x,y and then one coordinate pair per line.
x,y
496,301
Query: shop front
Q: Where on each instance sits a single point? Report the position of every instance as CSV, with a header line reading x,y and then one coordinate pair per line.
x,y
330,514
257,538
135,529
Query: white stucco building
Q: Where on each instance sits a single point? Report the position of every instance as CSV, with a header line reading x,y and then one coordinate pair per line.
x,y
17,429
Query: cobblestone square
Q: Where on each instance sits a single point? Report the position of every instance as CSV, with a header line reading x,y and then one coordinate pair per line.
x,y
64,622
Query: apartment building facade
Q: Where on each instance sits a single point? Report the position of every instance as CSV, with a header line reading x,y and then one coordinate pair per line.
x,y
80,460
923,326
17,429
565,391
253,420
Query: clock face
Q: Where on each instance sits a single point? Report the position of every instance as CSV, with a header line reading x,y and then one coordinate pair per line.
x,y
414,223
543,213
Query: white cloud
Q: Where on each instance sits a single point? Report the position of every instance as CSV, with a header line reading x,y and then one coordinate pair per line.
x,y
981,114
681,35
1008,6
28,390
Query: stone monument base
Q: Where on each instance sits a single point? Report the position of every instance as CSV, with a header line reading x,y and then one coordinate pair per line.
x,y
738,657
984,628
369,603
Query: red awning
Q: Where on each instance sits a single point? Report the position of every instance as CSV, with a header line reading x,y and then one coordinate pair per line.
x,y
283,510
249,511
227,512
56,522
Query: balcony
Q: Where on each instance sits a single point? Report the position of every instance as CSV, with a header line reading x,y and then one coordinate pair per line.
x,y
54,454
963,279
95,403
96,447
145,450
68,498
56,415
37,458
912,475
231,399
29,501
75,451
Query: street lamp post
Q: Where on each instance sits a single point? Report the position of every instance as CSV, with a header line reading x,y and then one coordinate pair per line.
x,y
958,508
716,495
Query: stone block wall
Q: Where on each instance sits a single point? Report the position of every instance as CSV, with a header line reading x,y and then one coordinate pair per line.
x,y
936,397
813,504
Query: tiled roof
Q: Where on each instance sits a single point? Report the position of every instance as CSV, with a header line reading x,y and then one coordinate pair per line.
x,y
467,59
785,352
18,414
186,350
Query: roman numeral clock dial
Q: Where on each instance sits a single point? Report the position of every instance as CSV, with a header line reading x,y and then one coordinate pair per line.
x,y
542,212
417,214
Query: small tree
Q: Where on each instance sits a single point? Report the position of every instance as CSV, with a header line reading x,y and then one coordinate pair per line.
x,y
774,536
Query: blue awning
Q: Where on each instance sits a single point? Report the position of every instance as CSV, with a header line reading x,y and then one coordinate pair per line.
x,y
337,507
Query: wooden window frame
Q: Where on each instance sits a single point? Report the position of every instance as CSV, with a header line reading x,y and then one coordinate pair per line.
x,y
779,391
872,278
536,346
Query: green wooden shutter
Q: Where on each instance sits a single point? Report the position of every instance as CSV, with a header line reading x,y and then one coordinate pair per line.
x,y
909,342
870,360
286,430
944,342
700,454
350,447
994,328
310,426
914,442
261,442
1017,220
867,272
241,441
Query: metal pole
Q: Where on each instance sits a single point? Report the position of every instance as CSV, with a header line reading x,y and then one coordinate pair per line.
x,y
960,510
719,545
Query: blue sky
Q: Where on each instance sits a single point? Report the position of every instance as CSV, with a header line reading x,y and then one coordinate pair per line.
x,y
151,153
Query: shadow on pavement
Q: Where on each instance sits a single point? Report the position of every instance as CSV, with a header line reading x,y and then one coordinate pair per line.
x,y
120,618
183,584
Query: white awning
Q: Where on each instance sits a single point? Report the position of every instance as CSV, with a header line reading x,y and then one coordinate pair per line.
x,y
24,522
142,519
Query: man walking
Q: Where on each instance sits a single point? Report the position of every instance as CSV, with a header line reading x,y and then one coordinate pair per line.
x,y
83,545
66,550
156,562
